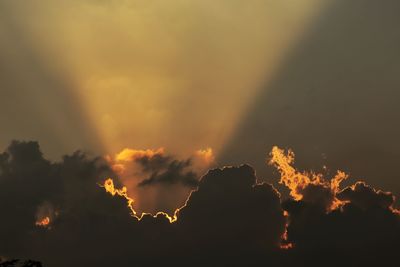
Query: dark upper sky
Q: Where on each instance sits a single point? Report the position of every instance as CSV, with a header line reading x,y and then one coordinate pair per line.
x,y
335,100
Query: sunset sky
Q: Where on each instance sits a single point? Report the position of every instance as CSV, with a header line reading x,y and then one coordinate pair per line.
x,y
106,75
235,76
154,93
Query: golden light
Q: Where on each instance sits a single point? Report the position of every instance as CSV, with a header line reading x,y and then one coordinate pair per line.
x,y
110,188
297,181
207,155
284,238
45,222
173,74
131,173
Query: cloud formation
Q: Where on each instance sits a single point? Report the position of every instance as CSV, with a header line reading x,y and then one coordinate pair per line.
x,y
157,167
167,170
354,226
334,98
159,180
230,218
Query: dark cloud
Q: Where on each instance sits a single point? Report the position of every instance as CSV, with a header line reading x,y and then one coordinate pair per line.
x,y
90,227
164,169
230,219
67,188
356,226
366,197
318,195
349,236
19,263
231,216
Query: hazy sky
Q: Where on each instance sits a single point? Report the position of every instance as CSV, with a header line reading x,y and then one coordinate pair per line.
x,y
335,98
237,76
105,75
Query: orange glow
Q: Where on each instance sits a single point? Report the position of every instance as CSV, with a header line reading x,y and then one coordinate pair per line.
x,y
284,237
395,211
127,155
289,176
131,154
206,154
128,166
43,222
110,188
287,246
335,182
118,168
297,181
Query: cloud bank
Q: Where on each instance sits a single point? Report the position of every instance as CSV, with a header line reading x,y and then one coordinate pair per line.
x,y
63,214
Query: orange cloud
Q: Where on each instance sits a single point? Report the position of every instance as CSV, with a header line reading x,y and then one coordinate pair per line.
x,y
43,222
123,192
297,182
119,163
128,154
284,238
141,171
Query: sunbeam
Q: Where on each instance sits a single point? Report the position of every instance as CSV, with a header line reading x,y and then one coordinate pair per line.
x,y
152,73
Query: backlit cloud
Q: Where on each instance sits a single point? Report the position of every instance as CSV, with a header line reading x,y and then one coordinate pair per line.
x,y
231,217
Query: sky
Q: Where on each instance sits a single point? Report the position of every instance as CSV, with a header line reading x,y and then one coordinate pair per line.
x,y
334,99
107,75
159,120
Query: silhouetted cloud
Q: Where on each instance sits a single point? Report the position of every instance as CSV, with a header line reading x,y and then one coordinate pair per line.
x,y
60,214
365,197
19,263
158,167
165,169
231,216
356,226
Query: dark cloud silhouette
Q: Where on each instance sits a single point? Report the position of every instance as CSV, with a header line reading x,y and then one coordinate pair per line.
x,y
356,226
230,219
231,216
19,263
353,235
366,197
164,169
68,188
